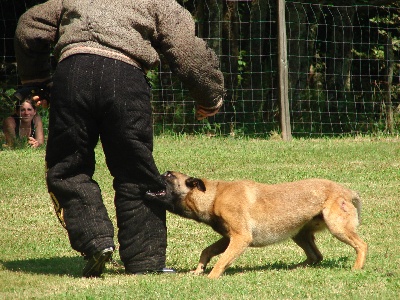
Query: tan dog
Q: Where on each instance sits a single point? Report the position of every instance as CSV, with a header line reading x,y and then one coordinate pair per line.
x,y
250,214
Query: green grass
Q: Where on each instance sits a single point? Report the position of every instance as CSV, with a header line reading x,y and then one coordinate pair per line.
x,y
36,260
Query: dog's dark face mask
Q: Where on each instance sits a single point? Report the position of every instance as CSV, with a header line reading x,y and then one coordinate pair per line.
x,y
168,198
177,187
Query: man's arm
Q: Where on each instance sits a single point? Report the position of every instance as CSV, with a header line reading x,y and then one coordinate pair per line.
x,y
36,31
196,65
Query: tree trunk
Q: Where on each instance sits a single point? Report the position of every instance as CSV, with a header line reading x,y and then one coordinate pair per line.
x,y
261,50
298,28
389,74
339,56
229,59
215,10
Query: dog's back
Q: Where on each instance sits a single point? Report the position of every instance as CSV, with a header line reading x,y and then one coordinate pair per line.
x,y
279,211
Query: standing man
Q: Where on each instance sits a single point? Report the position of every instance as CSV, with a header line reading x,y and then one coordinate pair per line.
x,y
104,50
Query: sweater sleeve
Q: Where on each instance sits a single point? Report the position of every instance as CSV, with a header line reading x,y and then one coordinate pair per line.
x,y
36,31
196,65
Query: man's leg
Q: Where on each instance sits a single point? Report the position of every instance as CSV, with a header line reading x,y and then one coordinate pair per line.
x,y
127,140
70,159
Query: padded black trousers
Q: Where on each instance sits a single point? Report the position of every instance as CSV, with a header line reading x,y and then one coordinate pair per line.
x,y
94,97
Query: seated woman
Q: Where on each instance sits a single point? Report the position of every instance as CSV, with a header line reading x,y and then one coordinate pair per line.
x,y
24,124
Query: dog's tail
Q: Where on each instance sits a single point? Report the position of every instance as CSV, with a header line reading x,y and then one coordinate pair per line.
x,y
356,200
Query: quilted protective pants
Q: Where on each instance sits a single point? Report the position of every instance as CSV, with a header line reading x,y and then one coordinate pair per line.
x,y
94,97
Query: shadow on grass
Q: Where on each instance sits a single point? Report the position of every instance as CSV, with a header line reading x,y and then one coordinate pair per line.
x,y
73,266
338,263
70,266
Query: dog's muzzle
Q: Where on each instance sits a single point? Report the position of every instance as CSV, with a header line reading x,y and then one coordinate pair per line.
x,y
161,193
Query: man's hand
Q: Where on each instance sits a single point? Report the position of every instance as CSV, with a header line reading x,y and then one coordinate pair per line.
x,y
203,112
38,92
41,102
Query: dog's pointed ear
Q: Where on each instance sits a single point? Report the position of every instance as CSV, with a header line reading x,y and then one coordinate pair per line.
x,y
196,182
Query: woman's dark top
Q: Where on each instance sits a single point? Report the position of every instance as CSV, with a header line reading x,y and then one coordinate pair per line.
x,y
18,123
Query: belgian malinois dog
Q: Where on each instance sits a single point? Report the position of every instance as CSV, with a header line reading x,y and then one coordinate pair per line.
x,y
251,214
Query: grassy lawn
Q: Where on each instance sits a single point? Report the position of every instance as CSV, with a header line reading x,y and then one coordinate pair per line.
x,y
37,262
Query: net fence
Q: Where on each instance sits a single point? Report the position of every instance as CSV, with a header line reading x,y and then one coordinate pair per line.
x,y
343,66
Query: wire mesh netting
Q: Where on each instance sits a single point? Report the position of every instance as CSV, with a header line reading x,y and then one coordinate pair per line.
x,y
343,68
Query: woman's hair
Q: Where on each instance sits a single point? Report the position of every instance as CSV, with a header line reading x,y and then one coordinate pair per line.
x,y
27,100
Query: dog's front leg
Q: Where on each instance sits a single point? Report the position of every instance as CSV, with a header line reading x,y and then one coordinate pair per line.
x,y
236,247
216,248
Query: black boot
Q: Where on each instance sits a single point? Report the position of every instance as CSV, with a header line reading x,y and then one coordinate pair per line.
x,y
95,265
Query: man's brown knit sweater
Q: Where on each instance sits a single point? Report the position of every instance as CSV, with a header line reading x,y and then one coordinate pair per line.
x,y
131,31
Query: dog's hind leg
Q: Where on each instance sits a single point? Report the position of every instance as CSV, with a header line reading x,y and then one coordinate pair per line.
x,y
213,250
342,220
306,240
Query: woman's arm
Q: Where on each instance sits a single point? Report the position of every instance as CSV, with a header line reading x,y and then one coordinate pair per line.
x,y
38,140
9,130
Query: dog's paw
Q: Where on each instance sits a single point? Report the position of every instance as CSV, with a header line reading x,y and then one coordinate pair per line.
x,y
197,272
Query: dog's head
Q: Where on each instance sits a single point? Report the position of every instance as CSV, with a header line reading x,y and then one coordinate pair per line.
x,y
178,186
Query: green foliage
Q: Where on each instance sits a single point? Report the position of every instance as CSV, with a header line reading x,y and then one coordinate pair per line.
x,y
241,67
37,262
152,77
7,104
